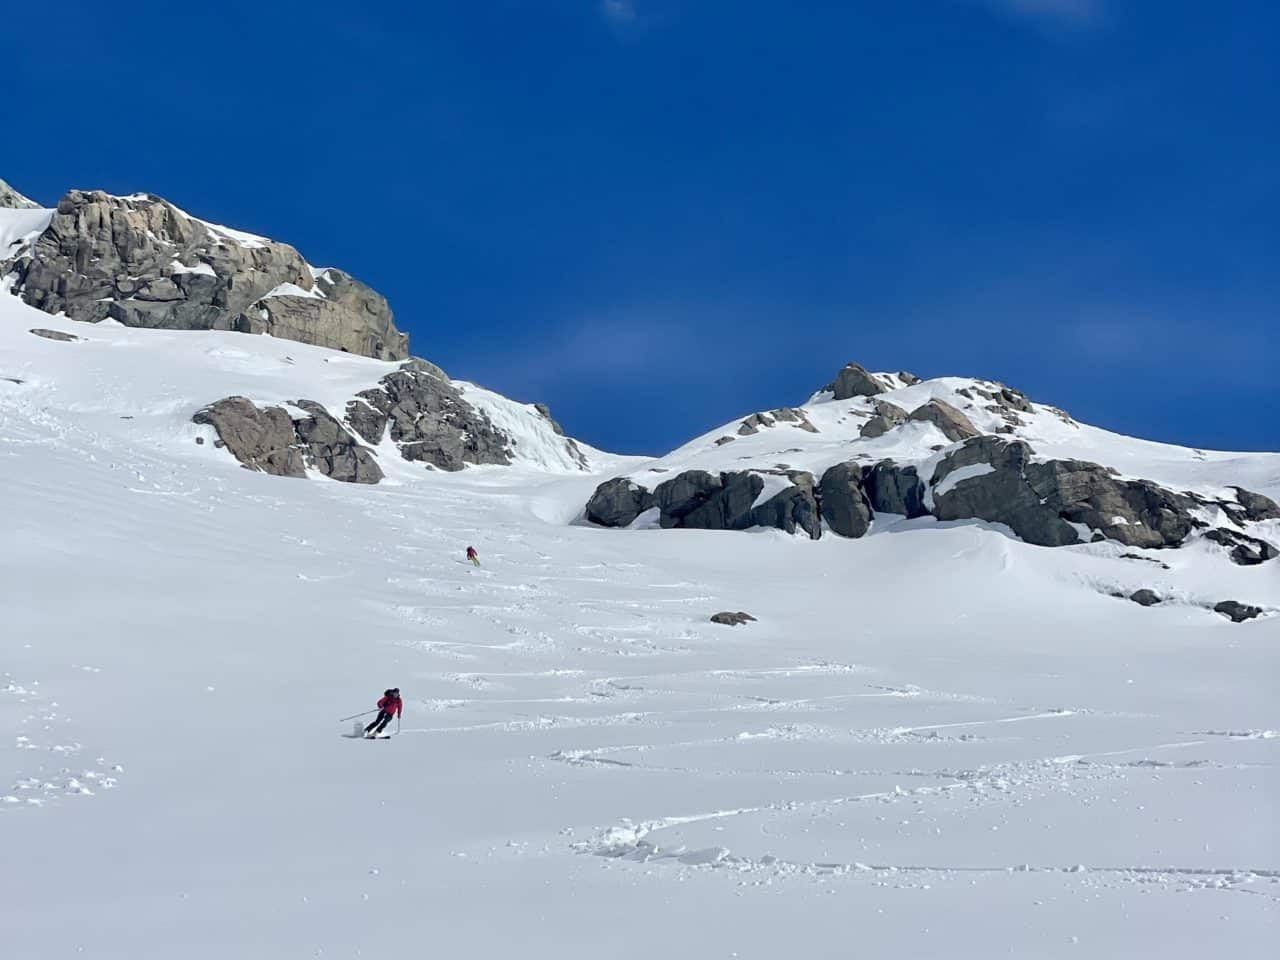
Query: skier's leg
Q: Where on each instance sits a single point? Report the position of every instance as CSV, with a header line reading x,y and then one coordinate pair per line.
x,y
383,720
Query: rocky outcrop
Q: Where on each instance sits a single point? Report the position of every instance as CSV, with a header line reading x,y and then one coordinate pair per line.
x,y
794,508
144,263
707,501
1256,507
886,418
428,419
891,488
955,426
853,380
270,440
1145,597
618,502
732,618
11,199
1242,549
1237,612
995,480
261,439
843,501
329,448
752,424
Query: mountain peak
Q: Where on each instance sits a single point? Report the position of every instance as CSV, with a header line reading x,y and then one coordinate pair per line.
x,y
11,199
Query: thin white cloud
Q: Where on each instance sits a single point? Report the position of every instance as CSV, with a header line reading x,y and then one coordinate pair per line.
x,y
620,13
1068,13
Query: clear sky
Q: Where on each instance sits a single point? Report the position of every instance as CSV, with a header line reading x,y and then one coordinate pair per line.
x,y
658,215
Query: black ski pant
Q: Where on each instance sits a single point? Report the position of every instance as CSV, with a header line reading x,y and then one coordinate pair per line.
x,y
380,721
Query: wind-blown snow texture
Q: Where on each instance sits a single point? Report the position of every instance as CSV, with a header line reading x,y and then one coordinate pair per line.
x,y
935,741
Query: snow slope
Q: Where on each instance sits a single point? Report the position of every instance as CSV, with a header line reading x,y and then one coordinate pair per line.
x,y
1051,433
935,741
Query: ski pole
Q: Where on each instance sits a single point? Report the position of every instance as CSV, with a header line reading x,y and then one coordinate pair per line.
x,y
354,715
397,724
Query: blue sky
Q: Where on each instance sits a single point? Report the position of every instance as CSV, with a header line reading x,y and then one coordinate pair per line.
x,y
657,215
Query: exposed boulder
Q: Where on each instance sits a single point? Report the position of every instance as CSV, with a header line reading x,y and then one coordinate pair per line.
x,y
54,335
1245,550
270,440
331,449
706,501
11,199
428,419
795,508
887,417
955,426
1256,506
141,261
843,502
1041,502
732,618
853,380
894,489
1237,612
1145,597
617,502
261,439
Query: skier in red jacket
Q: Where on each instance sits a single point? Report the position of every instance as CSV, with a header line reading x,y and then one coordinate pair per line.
x,y
473,556
390,705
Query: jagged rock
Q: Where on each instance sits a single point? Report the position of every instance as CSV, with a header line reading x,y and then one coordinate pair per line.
x,y
545,412
795,508
1041,501
1256,506
853,380
753,423
706,501
955,426
894,489
887,417
1244,550
428,418
731,618
261,439
617,502
721,441
143,262
11,199
1145,597
54,335
1237,612
843,502
331,449
794,416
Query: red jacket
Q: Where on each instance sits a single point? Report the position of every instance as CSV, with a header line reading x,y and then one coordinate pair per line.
x,y
391,705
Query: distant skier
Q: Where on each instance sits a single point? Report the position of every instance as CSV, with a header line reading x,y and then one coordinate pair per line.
x,y
473,556
390,705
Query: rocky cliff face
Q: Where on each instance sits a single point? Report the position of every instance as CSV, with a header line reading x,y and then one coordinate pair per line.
x,y
141,261
966,450
11,199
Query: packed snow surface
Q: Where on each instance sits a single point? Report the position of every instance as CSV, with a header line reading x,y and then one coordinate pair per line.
x,y
936,741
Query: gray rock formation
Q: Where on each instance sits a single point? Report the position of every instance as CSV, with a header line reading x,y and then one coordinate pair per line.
x,y
1041,501
1237,612
261,439
428,419
270,440
894,489
887,417
143,262
331,449
731,618
1256,506
853,380
706,501
11,199
1242,549
955,426
843,502
1145,597
617,503
795,508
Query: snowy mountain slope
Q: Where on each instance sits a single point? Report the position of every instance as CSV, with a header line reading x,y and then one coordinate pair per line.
x,y
926,727
935,740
